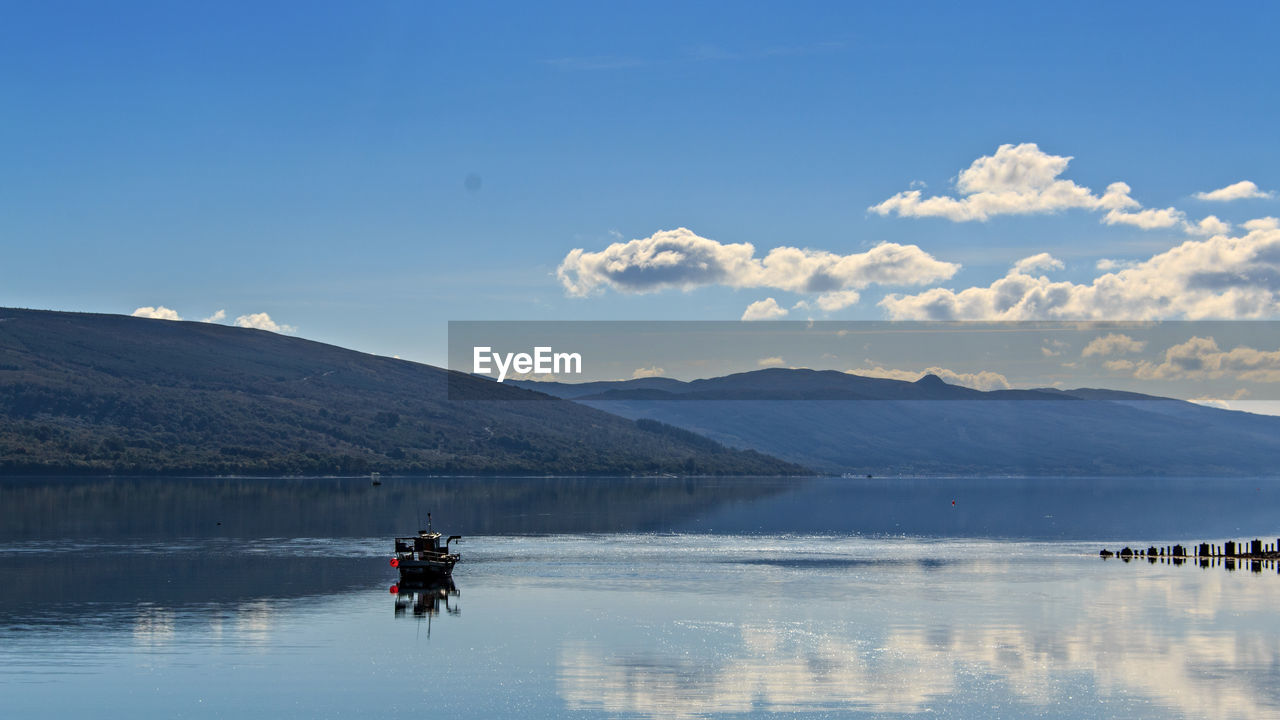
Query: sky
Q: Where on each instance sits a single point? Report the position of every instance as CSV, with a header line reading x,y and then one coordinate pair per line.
x,y
362,174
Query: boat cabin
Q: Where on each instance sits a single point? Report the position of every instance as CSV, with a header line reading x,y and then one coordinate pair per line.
x,y
426,545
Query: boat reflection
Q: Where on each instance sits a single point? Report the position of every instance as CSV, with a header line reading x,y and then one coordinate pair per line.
x,y
425,599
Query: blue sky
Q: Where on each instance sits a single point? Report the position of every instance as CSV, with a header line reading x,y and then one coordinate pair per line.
x,y
364,173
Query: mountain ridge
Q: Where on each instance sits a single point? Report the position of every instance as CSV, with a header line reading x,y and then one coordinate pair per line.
x,y
92,393
840,422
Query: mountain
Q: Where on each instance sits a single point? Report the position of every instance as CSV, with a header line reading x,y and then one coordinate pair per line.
x,y
837,422
86,393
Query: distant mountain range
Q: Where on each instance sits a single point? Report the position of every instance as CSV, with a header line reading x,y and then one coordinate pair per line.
x,y
837,422
85,393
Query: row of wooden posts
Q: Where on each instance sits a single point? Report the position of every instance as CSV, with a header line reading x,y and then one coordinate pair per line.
x,y
1253,549
1227,563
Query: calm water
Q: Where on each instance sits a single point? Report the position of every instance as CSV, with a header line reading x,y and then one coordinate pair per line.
x,y
635,598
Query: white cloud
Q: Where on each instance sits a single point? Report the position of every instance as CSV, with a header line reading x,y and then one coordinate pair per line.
x,y
263,321
1017,180
1107,264
1219,277
984,380
1041,261
766,309
1200,357
1149,219
156,313
1024,180
1242,190
216,317
1223,403
680,259
1119,365
1210,225
1112,344
1211,402
771,362
829,302
651,371
1124,210
838,300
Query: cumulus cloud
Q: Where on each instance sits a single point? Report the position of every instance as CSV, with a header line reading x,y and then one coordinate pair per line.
x,y
1024,180
1042,261
1200,357
1112,344
216,317
1017,180
651,371
838,300
771,362
681,259
1210,225
263,321
156,313
1107,264
1243,190
1219,277
1149,219
984,380
766,309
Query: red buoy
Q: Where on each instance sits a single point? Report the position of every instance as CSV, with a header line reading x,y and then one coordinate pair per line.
x,y
395,589
395,562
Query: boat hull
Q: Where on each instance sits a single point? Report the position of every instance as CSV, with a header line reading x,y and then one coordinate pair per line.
x,y
421,570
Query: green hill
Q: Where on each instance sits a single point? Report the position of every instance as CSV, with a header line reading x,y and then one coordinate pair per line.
x,y
86,393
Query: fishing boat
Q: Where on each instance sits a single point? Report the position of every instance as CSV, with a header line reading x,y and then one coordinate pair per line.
x,y
422,558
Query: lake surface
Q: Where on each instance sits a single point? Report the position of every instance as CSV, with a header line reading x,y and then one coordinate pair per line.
x,y
619,597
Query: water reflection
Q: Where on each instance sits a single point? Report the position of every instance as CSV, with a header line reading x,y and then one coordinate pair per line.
x,y
1196,646
425,599
654,623
773,669
1041,508
209,508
